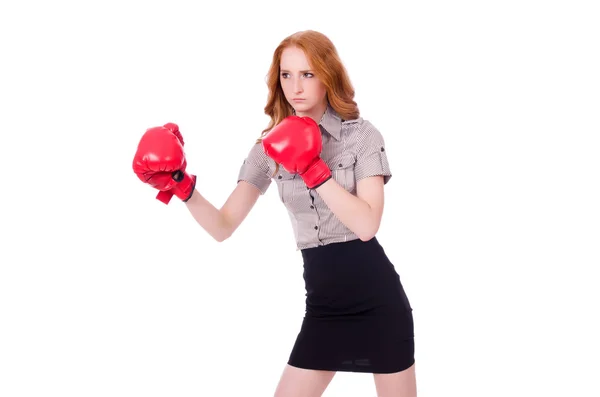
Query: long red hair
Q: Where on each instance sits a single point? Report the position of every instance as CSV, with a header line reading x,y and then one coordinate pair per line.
x,y
328,68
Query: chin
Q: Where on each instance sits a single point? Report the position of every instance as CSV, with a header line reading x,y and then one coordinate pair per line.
x,y
304,108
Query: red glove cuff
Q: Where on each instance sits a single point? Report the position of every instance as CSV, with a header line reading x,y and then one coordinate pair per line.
x,y
183,190
317,174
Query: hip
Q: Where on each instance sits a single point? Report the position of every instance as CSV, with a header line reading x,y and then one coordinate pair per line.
x,y
354,274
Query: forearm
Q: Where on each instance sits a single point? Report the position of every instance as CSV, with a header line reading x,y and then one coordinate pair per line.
x,y
209,217
355,213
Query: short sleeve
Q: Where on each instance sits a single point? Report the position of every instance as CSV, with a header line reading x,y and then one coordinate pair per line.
x,y
255,169
371,157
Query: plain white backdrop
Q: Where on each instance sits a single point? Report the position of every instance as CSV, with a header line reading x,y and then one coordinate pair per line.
x,y
490,111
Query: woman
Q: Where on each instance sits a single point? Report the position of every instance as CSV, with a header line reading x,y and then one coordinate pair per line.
x,y
330,167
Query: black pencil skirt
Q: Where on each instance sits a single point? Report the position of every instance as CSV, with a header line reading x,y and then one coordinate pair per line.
x,y
358,317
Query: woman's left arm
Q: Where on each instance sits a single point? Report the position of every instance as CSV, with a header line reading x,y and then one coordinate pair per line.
x,y
361,213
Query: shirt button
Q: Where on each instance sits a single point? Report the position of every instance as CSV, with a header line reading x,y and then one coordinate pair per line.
x,y
316,227
279,177
382,149
312,207
340,165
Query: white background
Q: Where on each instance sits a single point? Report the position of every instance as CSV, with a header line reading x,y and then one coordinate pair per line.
x,y
490,111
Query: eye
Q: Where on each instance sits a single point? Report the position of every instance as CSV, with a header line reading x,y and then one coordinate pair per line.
x,y
309,75
285,75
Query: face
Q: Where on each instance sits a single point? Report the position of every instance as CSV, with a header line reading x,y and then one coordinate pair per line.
x,y
302,89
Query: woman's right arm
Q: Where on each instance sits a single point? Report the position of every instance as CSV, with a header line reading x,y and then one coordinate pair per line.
x,y
221,223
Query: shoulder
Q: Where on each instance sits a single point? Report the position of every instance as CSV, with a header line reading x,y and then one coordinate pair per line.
x,y
360,126
362,132
369,147
256,151
257,157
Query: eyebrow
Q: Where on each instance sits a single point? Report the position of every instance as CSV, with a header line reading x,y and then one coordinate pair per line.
x,y
302,71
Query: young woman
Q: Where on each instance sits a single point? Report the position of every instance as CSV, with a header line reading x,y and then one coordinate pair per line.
x,y
330,167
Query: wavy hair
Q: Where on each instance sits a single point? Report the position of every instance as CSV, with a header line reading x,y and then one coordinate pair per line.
x,y
328,68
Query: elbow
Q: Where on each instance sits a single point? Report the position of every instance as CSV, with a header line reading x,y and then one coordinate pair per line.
x,y
223,232
221,237
368,233
366,237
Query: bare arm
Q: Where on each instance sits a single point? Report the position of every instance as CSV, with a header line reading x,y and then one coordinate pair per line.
x,y
221,223
361,213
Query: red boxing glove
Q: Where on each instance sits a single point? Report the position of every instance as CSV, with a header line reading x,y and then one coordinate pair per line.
x,y
174,128
160,162
296,144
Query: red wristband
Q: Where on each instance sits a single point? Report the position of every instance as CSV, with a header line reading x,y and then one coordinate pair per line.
x,y
184,188
317,174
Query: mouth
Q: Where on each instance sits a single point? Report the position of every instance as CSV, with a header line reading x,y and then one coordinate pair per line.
x,y
298,99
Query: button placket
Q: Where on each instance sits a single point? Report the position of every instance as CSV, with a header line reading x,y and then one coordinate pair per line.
x,y
312,206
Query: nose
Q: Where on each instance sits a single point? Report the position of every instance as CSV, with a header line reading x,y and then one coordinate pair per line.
x,y
297,86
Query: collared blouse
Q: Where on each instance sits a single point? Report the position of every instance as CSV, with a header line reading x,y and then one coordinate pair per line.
x,y
353,150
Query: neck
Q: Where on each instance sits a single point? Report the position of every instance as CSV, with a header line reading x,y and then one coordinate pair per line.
x,y
316,114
